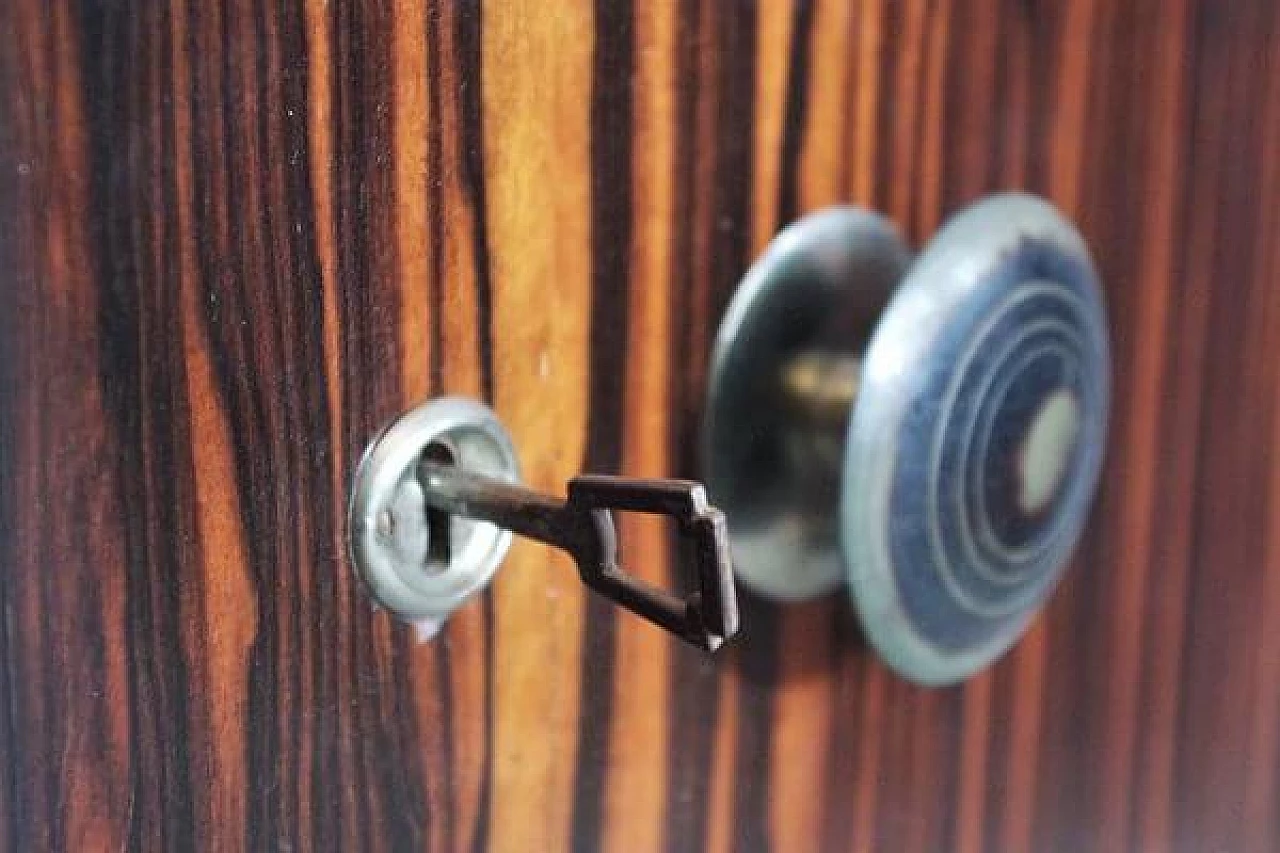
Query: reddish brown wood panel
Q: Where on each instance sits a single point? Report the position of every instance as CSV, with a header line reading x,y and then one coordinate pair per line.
x,y
235,238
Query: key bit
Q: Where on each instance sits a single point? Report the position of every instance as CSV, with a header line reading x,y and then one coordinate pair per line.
x,y
583,526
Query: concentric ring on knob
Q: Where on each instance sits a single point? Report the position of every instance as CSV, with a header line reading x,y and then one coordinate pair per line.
x,y
975,446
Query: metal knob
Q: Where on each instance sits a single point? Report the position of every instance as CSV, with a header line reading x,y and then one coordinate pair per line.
x,y
929,432
436,499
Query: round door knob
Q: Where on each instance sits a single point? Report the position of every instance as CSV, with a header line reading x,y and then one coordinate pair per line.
x,y
929,431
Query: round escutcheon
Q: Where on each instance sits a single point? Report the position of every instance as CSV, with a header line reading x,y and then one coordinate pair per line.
x,y
420,564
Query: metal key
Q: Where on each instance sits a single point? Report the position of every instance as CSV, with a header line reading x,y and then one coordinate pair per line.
x,y
583,526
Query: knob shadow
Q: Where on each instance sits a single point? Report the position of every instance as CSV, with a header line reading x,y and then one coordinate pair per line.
x,y
795,640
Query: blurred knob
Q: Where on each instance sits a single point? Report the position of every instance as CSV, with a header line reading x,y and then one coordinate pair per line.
x,y
928,431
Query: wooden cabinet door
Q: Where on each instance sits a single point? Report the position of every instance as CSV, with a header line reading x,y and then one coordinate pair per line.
x,y
238,237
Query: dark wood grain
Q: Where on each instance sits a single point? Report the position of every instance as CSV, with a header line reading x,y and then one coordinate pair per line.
x,y
237,238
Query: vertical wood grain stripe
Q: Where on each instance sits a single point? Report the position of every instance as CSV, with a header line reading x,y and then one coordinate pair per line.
x,y
1138,458
697,696
1228,528
237,238
1261,817
18,277
611,120
802,705
145,408
222,676
536,164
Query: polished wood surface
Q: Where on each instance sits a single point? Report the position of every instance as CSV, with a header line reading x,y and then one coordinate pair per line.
x,y
236,238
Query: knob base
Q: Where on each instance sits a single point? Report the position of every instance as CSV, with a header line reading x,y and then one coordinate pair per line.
x,y
821,285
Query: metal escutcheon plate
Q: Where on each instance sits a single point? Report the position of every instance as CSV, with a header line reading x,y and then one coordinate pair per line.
x,y
418,573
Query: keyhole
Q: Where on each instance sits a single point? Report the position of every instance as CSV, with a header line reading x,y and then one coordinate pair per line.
x,y
439,523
